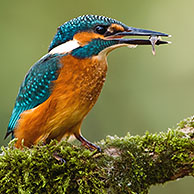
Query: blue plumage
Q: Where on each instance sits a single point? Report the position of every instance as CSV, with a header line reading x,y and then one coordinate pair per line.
x,y
36,87
93,48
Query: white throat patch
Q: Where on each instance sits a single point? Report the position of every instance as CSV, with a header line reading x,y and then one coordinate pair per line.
x,y
103,54
65,47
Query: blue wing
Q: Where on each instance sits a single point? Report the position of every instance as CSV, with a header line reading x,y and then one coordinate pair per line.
x,y
36,87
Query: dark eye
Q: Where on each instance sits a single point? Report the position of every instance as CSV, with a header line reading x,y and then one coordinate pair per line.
x,y
100,29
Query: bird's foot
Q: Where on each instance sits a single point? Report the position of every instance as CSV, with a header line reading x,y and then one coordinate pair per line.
x,y
87,144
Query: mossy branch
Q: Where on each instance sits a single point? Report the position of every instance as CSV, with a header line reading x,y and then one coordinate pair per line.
x,y
130,164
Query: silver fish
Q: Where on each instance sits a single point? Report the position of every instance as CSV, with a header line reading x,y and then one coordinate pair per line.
x,y
153,40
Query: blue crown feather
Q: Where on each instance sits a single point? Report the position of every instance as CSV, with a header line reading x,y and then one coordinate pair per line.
x,y
82,23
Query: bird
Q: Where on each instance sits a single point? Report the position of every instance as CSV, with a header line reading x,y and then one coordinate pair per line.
x,y
62,87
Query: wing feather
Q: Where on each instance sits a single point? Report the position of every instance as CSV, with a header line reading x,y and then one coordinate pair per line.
x,y
36,87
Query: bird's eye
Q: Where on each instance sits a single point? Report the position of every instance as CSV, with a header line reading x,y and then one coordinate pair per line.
x,y
100,29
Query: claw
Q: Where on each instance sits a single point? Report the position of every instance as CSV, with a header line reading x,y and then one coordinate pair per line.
x,y
58,158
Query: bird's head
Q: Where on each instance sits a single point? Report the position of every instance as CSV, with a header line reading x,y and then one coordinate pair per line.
x,y
91,35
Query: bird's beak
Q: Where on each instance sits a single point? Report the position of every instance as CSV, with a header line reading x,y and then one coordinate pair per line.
x,y
154,37
130,31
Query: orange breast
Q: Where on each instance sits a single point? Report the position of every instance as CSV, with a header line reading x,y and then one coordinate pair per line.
x,y
75,92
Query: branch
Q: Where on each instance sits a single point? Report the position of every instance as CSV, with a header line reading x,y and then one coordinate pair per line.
x,y
129,164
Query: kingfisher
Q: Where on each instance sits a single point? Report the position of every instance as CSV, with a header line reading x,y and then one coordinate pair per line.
x,y
62,87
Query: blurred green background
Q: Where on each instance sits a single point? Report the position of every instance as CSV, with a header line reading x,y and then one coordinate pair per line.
x,y
142,91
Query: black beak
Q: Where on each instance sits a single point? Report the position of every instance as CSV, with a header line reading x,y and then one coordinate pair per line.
x,y
130,31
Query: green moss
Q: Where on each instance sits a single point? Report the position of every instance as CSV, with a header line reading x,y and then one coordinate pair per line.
x,y
188,122
36,171
130,164
148,160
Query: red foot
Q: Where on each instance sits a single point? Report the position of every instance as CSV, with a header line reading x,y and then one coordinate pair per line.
x,y
87,144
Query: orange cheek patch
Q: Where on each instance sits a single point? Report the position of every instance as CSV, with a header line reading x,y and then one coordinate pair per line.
x,y
116,27
84,37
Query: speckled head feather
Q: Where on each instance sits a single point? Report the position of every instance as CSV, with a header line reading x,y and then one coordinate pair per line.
x,y
82,23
